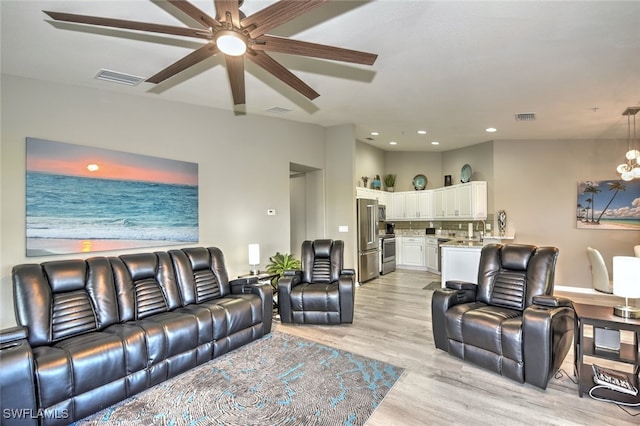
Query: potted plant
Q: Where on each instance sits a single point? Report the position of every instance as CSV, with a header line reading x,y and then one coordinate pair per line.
x,y
281,262
390,182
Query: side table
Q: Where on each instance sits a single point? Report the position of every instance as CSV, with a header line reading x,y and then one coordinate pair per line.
x,y
602,317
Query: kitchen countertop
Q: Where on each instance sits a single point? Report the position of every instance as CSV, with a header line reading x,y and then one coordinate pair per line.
x,y
463,243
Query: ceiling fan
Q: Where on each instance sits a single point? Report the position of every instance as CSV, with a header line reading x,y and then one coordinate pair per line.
x,y
237,37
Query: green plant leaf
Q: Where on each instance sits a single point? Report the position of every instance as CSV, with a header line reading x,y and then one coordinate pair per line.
x,y
281,262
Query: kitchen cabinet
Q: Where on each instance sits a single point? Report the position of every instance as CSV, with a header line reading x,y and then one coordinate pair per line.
x,y
467,201
412,252
460,263
439,203
373,194
460,202
412,205
431,249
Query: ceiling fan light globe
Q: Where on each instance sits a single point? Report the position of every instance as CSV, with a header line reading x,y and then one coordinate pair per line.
x,y
230,43
636,172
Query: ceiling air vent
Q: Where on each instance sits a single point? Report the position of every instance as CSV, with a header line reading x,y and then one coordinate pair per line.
x,y
526,116
278,110
119,77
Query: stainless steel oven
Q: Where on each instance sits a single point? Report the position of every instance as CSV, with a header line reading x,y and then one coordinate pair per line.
x,y
387,254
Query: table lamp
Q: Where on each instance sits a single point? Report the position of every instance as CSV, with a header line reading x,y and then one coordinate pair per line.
x,y
626,283
254,258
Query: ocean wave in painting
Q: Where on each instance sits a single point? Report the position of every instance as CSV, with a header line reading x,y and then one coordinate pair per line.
x,y
70,207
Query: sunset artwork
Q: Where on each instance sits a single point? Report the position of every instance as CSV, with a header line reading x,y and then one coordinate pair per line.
x,y
84,199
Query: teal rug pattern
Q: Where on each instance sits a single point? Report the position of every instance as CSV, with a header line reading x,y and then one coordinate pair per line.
x,y
278,380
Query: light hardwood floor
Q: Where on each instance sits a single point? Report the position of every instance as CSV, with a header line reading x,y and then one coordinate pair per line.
x,y
393,324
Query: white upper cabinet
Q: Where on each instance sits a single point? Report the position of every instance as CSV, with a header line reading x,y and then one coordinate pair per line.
x,y
465,201
412,205
456,202
373,194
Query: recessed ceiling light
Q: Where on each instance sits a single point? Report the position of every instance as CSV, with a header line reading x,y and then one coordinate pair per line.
x,y
422,132
435,143
393,143
491,129
374,133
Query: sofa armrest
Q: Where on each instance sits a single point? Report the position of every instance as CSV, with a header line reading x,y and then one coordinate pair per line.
x,y
547,333
242,285
443,299
552,301
13,334
289,280
17,383
461,285
346,290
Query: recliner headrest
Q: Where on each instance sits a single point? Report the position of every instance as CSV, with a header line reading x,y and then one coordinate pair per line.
x,y
141,265
516,257
66,275
322,248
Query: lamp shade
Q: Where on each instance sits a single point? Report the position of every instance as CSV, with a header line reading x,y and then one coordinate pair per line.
x,y
254,254
626,276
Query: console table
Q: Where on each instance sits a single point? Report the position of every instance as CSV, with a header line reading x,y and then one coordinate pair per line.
x,y
602,317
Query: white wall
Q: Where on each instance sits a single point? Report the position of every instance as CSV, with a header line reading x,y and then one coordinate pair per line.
x,y
535,182
243,163
406,165
480,158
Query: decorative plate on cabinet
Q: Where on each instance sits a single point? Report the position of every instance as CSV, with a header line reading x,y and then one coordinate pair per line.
x,y
465,173
419,182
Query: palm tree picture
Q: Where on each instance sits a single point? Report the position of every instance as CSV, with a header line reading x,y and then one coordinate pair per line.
x,y
609,204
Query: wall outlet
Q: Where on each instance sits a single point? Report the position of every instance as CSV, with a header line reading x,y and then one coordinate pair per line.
x,y
271,212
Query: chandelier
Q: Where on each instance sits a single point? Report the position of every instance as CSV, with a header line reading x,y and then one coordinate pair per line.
x,y
630,169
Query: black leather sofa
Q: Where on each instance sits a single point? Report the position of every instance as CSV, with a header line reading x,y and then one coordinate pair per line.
x,y
510,322
94,332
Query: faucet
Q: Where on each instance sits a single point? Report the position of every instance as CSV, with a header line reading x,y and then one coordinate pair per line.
x,y
484,228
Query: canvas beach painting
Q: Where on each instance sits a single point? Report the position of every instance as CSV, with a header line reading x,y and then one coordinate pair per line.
x,y
84,199
608,204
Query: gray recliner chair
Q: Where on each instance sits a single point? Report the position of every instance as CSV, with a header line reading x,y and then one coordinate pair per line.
x,y
510,322
323,292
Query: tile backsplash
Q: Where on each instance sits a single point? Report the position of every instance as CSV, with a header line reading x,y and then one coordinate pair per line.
x,y
451,227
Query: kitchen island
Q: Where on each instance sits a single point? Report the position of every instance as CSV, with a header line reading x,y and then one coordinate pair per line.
x,y
460,260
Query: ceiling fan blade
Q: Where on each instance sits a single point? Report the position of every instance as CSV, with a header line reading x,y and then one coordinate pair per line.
x,y
303,48
130,25
192,58
275,68
196,14
235,70
228,6
277,14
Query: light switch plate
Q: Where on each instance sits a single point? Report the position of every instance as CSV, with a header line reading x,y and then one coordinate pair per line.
x,y
343,228
271,212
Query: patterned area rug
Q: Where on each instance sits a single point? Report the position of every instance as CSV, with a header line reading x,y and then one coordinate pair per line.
x,y
277,380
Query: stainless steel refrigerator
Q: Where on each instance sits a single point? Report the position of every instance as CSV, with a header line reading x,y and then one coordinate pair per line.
x,y
368,248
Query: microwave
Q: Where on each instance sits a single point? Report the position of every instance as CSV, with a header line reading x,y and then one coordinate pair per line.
x,y
382,213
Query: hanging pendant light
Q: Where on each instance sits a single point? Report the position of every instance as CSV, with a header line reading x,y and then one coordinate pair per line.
x,y
630,169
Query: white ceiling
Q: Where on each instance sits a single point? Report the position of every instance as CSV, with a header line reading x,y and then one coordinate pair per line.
x,y
452,68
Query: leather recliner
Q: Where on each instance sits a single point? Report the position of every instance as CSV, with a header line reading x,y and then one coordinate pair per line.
x,y
510,322
323,292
